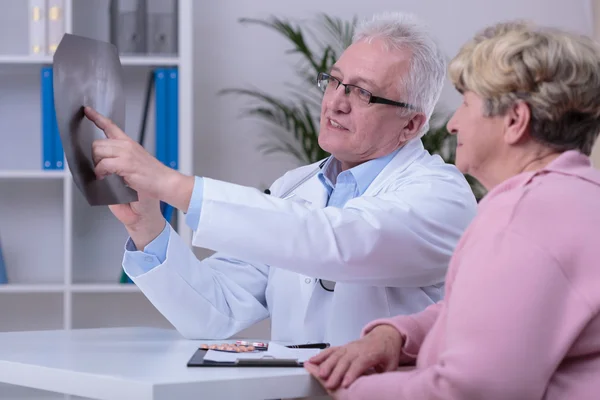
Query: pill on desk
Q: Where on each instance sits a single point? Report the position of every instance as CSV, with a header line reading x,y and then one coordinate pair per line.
x,y
204,346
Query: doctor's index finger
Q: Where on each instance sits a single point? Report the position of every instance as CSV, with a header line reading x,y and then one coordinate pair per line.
x,y
111,129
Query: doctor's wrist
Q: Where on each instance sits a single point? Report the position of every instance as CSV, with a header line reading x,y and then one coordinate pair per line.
x,y
177,190
144,232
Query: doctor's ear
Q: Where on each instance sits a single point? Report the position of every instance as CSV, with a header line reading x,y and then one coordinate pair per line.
x,y
412,127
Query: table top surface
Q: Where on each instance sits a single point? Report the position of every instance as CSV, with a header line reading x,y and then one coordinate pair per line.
x,y
143,362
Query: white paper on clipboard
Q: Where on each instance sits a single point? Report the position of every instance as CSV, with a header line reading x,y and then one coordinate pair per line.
x,y
275,351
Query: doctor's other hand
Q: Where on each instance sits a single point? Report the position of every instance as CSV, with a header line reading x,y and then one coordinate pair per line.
x,y
377,351
121,155
142,219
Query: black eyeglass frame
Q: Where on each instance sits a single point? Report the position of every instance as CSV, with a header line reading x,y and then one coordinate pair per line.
x,y
372,98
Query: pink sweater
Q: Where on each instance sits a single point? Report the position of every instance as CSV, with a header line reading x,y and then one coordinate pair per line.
x,y
520,319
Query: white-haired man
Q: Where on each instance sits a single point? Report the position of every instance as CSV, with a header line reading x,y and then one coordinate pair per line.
x,y
366,233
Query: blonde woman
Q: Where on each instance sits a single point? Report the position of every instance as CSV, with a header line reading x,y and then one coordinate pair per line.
x,y
520,319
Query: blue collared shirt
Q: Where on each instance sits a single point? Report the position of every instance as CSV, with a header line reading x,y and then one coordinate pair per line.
x,y
340,186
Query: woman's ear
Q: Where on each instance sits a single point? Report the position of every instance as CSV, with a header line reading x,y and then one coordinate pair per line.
x,y
517,121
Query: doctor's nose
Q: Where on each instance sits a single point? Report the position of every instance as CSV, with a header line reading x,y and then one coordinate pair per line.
x,y
338,100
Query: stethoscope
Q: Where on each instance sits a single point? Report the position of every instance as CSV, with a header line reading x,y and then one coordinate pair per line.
x,y
327,285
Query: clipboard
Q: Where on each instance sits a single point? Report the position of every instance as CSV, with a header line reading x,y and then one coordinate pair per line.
x,y
197,360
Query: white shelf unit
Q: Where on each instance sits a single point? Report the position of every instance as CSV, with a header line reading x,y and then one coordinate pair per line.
x,y
125,60
63,257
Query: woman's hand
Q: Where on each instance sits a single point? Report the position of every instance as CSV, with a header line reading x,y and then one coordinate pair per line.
x,y
378,351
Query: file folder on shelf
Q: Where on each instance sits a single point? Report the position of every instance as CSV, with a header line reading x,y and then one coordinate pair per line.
x,y
52,149
172,118
167,116
59,155
166,122
3,275
56,23
161,27
47,109
128,25
37,27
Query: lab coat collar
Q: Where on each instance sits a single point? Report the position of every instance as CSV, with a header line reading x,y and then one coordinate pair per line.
x,y
314,192
363,174
407,154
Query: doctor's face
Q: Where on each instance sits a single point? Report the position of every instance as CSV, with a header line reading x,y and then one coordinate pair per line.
x,y
352,130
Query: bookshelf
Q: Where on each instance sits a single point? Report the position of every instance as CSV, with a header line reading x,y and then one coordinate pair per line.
x,y
63,257
125,60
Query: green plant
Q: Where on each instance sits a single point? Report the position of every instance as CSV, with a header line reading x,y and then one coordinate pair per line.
x,y
294,118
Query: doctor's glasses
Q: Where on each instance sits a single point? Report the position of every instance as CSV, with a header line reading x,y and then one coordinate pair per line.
x,y
328,83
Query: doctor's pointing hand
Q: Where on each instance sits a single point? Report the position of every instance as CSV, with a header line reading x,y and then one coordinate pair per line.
x,y
154,181
365,233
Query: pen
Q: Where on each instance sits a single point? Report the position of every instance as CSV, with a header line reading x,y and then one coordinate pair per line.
x,y
309,346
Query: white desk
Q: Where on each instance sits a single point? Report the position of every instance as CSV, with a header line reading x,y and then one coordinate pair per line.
x,y
136,363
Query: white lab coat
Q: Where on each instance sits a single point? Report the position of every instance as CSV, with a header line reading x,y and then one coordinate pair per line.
x,y
388,251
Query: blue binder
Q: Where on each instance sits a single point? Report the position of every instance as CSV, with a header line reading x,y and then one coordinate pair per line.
x,y
166,122
172,118
52,150
160,116
3,276
47,109
59,155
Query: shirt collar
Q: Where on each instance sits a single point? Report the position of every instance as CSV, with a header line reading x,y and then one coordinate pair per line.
x,y
363,174
571,162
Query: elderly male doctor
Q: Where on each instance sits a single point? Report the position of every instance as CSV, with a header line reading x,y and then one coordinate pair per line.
x,y
365,234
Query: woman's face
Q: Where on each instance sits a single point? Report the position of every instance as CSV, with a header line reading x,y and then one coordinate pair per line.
x,y
479,139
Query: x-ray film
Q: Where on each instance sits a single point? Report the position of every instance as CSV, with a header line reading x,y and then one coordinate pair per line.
x,y
88,72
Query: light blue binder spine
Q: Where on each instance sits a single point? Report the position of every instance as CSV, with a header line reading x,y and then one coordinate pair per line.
x,y
160,117
162,125
47,108
173,119
58,148
3,276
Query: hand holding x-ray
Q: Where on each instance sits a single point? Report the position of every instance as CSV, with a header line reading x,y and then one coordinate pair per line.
x,y
88,72
121,155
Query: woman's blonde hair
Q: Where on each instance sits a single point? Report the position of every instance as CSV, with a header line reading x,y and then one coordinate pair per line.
x,y
556,73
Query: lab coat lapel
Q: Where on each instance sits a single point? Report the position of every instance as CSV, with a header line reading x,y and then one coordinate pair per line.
x,y
410,153
313,193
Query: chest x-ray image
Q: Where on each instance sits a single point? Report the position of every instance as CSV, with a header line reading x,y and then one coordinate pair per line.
x,y
88,72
